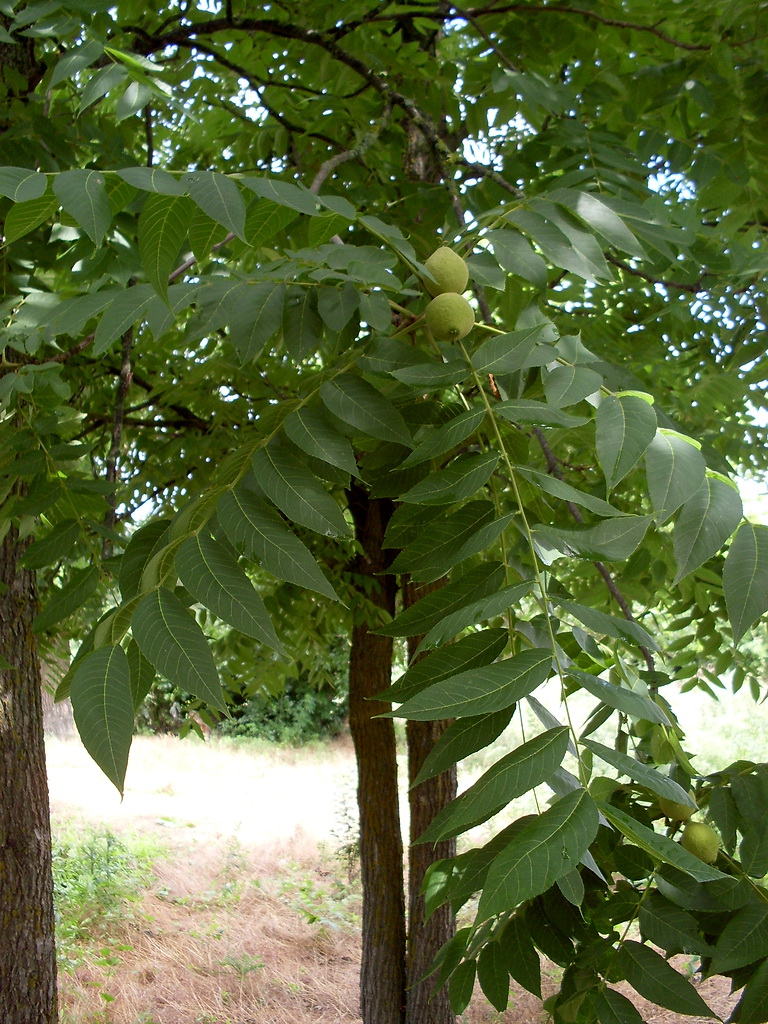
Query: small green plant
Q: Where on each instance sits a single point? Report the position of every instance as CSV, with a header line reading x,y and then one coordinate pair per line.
x,y
96,877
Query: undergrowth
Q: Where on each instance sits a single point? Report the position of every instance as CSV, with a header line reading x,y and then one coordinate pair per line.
x,y
97,878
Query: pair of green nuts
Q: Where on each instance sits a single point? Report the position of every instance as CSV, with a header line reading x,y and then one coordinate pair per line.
x,y
448,316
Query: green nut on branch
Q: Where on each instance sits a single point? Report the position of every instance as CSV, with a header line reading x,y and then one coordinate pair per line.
x,y
449,317
701,840
676,811
449,271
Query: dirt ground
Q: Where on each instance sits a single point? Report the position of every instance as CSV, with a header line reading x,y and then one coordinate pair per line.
x,y
250,920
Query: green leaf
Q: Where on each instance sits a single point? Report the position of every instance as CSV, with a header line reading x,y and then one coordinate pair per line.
x,y
120,315
613,1008
743,940
600,218
752,1008
480,581
670,927
466,475
675,469
54,546
143,544
571,251
618,697
625,425
302,324
163,226
298,493
560,489
471,651
651,976
284,194
142,674
613,539
461,986
523,410
75,60
254,312
520,955
359,404
519,350
82,585
478,611
450,540
705,523
264,220
461,739
103,710
610,625
493,975
433,375
25,217
660,784
22,185
172,641
313,432
659,847
568,385
218,197
337,305
252,525
514,774
441,439
745,578
204,233
102,82
153,179
83,195
515,254
482,690
548,847
213,577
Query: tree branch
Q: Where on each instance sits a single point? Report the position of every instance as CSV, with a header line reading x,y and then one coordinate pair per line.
x,y
584,13
118,420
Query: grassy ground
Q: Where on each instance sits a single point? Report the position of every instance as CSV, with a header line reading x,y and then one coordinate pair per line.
x,y
222,891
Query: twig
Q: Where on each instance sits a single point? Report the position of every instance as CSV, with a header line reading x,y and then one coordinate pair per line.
x,y
368,140
123,386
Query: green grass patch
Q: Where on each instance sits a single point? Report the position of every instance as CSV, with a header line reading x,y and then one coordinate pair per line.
x,y
97,879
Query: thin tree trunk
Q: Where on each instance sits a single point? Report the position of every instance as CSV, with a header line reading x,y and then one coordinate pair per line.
x,y
423,1004
27,950
382,973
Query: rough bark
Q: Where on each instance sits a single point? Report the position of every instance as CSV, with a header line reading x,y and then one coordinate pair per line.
x,y
382,974
423,1004
27,952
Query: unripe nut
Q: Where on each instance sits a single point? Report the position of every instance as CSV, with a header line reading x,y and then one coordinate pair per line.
x,y
676,811
449,317
449,271
701,840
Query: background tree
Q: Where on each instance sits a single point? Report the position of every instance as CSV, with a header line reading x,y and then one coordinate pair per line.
x,y
613,228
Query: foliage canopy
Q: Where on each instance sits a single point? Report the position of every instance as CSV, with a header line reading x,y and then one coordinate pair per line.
x,y
216,227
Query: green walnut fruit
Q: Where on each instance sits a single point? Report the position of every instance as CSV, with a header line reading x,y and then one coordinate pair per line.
x,y
449,271
449,317
701,840
677,812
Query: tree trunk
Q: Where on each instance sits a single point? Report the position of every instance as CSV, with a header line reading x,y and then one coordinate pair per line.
x,y
382,973
423,1004
27,950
